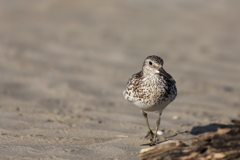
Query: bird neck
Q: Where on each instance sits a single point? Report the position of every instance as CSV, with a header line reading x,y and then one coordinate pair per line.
x,y
148,74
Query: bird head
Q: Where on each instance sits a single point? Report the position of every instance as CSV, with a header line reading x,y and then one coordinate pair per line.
x,y
154,65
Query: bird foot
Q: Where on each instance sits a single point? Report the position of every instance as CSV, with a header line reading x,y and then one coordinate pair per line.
x,y
152,143
153,140
150,135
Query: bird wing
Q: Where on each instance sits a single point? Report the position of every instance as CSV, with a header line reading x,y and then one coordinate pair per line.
x,y
128,93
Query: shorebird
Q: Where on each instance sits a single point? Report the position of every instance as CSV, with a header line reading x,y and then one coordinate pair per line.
x,y
151,89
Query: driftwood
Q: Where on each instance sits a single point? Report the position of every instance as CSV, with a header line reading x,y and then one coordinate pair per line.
x,y
222,144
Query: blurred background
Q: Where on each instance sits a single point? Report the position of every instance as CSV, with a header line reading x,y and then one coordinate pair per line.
x,y
64,64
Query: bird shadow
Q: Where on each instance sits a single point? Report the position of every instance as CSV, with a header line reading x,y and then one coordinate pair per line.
x,y
213,127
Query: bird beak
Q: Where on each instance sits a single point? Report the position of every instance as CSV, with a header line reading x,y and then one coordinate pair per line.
x,y
165,74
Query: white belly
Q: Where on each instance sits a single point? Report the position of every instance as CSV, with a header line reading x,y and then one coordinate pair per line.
x,y
151,108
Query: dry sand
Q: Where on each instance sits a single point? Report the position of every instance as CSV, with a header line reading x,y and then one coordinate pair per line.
x,y
64,65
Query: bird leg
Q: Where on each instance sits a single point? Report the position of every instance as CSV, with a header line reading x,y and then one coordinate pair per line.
x,y
157,126
150,132
154,141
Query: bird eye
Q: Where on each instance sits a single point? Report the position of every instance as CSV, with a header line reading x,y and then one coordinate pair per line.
x,y
150,63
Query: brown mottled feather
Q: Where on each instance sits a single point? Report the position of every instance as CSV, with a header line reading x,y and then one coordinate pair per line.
x,y
149,90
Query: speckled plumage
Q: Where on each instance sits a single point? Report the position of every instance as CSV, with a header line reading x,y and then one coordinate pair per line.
x,y
151,89
150,92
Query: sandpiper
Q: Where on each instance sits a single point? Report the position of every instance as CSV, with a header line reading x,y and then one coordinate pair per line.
x,y
151,89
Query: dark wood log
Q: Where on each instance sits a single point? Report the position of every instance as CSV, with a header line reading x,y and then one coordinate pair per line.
x,y
222,144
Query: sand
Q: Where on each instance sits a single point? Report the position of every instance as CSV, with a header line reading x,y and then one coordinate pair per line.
x,y
64,65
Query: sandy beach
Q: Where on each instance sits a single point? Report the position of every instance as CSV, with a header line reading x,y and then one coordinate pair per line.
x,y
65,64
